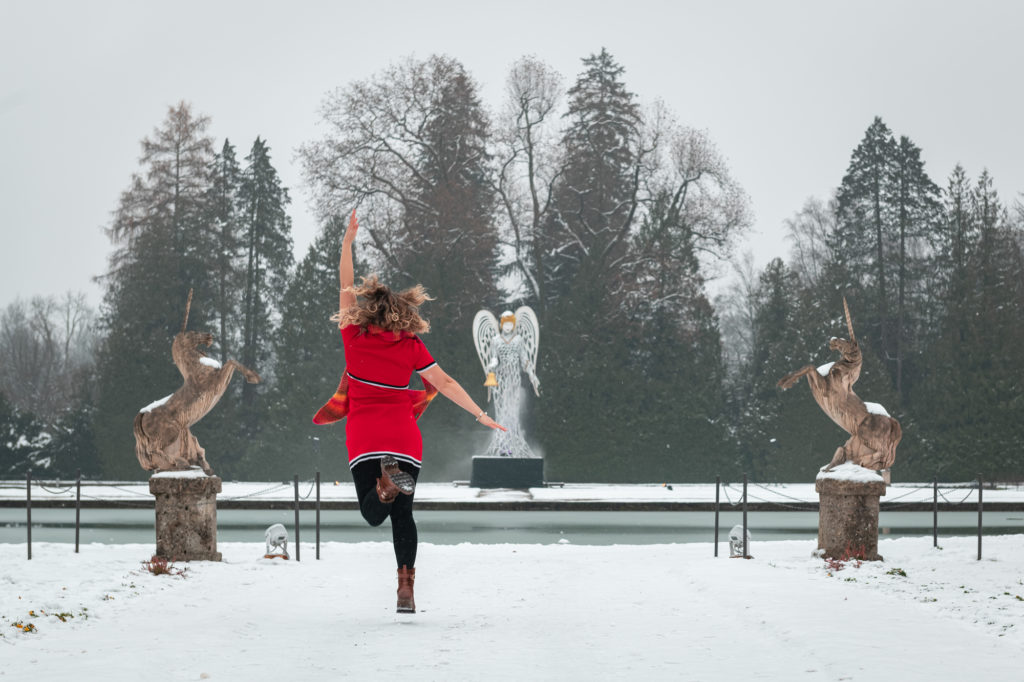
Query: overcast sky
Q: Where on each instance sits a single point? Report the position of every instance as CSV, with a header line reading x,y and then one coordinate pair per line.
x,y
785,89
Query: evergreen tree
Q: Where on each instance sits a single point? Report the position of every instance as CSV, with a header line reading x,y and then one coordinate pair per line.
x,y
970,410
887,210
673,352
585,244
951,246
24,440
917,212
309,360
225,223
267,245
73,447
778,431
267,260
595,198
163,249
452,244
866,228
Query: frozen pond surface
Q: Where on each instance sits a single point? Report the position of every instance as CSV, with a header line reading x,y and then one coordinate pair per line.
x,y
490,527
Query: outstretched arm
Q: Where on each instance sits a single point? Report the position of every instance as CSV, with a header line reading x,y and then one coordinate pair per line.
x,y
451,389
346,274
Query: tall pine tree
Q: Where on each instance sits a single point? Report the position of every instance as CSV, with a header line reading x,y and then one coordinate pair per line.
x,y
917,212
267,260
308,363
866,227
163,248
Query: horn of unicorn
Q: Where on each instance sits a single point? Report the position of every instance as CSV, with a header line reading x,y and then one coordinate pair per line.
x,y
188,307
849,322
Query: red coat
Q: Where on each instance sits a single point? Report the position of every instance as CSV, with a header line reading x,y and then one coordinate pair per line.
x,y
374,394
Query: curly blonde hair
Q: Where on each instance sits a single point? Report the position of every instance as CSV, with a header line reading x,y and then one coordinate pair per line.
x,y
378,305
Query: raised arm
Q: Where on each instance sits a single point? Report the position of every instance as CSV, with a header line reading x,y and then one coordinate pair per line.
x,y
346,274
451,389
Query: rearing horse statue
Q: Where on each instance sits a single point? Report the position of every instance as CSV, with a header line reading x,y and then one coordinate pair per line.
x,y
163,441
874,435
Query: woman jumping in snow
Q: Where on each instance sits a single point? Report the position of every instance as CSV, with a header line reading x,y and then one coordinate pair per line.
x,y
385,449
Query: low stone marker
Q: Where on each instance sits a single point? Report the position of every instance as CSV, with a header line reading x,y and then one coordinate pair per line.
x,y
848,512
186,515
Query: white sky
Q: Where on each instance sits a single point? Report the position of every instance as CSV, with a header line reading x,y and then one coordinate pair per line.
x,y
786,89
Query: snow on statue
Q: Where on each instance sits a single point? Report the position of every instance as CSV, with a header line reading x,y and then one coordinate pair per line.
x,y
505,353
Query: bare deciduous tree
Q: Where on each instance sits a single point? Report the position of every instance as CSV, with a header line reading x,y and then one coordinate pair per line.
x,y
527,162
737,308
705,198
47,344
394,147
809,231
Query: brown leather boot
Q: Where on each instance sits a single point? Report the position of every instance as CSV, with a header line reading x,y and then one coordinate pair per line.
x,y
406,602
393,480
387,491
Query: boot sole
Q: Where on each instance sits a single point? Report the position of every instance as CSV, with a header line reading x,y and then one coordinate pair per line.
x,y
405,609
405,482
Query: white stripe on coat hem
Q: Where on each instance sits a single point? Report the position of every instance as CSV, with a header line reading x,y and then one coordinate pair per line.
x,y
367,456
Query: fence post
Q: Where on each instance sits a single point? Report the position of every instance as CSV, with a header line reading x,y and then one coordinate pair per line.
x,y
718,485
297,555
318,516
935,512
78,507
746,553
980,508
28,510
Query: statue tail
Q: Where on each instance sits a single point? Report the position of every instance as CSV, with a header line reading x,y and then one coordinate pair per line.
x,y
141,443
895,436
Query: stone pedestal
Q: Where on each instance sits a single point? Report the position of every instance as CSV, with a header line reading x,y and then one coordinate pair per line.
x,y
186,515
507,472
848,517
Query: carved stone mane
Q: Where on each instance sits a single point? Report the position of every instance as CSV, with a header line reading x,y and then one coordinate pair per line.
x,y
163,441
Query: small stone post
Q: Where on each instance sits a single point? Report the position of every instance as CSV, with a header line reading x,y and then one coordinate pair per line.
x,y
186,515
848,512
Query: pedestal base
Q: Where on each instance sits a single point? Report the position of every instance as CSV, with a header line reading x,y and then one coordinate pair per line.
x,y
848,518
186,516
507,472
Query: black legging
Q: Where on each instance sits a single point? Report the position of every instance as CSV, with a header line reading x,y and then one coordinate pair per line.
x,y
403,526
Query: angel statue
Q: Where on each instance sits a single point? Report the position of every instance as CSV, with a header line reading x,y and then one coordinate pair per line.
x,y
505,352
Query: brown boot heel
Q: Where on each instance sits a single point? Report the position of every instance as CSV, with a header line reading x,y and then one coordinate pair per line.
x,y
386,490
406,600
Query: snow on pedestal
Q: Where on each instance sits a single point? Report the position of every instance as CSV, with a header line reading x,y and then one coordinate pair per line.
x,y
186,515
848,511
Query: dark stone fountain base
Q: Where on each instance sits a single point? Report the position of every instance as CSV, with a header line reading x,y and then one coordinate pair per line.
x,y
507,472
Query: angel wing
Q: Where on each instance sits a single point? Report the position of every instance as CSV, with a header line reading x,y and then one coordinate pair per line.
x,y
485,328
528,328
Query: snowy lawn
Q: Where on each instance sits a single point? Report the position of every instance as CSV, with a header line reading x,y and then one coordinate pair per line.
x,y
518,612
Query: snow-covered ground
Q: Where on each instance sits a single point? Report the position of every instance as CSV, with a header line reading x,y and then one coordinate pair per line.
x,y
518,612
